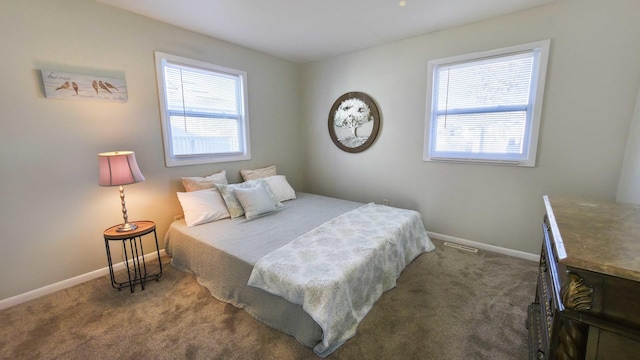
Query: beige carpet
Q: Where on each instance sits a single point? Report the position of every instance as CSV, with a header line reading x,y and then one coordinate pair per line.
x,y
448,304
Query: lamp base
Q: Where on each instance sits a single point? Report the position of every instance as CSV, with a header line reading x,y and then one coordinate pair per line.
x,y
127,227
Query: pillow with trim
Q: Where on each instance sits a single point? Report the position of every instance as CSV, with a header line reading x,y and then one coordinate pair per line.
x,y
233,205
196,183
255,201
258,173
201,207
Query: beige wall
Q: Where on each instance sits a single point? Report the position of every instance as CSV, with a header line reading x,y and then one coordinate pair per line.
x,y
52,211
591,89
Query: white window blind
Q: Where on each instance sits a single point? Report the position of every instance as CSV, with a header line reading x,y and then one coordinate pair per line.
x,y
486,107
204,117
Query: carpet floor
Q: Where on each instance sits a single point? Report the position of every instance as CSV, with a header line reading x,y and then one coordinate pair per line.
x,y
448,304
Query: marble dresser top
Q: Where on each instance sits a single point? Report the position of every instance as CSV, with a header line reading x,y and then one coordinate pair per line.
x,y
596,236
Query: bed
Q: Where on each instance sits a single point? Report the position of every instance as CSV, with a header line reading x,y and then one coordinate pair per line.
x,y
250,263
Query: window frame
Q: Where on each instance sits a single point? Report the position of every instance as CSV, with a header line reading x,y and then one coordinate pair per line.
x,y
540,50
172,159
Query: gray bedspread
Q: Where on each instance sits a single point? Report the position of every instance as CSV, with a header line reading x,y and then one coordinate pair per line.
x,y
222,254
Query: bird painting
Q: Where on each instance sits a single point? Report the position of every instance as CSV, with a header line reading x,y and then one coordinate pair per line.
x,y
111,86
103,86
64,86
83,87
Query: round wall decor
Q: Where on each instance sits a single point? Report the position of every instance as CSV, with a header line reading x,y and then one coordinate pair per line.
x,y
354,122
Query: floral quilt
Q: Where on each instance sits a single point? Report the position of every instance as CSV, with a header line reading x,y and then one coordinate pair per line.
x,y
339,270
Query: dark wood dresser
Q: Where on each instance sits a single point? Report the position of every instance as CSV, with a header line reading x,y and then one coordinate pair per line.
x,y
587,304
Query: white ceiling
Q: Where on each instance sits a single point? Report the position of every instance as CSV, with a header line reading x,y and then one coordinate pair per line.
x,y
304,30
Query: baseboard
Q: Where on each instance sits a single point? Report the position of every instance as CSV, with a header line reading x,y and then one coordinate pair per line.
x,y
49,289
487,247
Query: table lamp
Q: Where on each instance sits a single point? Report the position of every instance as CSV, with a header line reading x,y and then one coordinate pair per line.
x,y
119,168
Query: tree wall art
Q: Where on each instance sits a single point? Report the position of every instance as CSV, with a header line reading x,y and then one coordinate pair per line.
x,y
354,122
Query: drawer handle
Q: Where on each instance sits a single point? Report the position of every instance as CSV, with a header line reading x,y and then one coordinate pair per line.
x,y
577,296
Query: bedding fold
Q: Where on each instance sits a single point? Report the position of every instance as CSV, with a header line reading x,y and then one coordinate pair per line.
x,y
338,270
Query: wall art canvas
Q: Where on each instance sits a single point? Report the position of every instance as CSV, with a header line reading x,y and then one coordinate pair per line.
x,y
62,85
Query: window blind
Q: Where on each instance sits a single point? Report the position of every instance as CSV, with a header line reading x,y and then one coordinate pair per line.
x,y
204,111
481,106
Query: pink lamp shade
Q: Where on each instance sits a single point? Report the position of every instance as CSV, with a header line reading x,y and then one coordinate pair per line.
x,y
119,168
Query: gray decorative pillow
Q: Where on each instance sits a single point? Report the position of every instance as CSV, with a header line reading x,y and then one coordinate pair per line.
x,y
255,201
233,205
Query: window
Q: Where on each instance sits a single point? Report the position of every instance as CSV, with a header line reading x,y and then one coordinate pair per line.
x,y
203,110
485,107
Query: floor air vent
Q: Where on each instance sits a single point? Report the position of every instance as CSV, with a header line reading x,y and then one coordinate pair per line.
x,y
460,247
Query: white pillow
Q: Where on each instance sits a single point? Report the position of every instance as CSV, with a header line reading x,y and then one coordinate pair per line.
x,y
255,201
233,205
280,187
200,207
258,173
200,183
